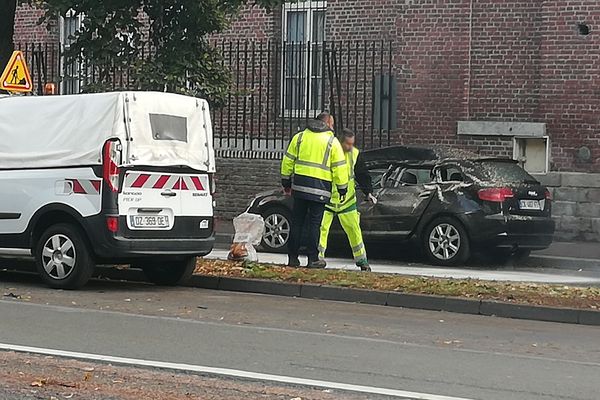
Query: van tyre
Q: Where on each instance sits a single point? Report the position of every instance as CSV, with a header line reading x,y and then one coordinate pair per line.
x,y
63,258
445,242
169,272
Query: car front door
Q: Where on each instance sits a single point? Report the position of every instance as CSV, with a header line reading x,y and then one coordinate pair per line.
x,y
402,199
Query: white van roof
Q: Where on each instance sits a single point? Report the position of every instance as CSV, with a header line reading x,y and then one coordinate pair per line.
x,y
155,129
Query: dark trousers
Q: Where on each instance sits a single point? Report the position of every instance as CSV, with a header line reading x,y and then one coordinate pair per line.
x,y
309,215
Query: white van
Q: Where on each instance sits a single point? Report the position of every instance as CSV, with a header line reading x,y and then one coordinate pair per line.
x,y
111,178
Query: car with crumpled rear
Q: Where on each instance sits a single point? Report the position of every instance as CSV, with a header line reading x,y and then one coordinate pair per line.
x,y
450,202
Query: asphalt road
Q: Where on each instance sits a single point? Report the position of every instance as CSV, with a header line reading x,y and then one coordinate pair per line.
x,y
469,357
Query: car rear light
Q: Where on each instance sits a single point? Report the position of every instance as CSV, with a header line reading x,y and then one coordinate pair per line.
x,y
112,224
110,164
496,195
548,195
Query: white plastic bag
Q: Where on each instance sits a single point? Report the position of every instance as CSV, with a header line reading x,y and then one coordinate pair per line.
x,y
249,229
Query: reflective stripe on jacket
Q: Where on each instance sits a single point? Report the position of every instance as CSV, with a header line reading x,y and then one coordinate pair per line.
x,y
350,200
314,164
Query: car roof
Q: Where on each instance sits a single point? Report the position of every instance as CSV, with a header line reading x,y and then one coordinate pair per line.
x,y
425,156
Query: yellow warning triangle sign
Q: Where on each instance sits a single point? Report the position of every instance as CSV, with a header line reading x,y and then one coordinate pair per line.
x,y
16,77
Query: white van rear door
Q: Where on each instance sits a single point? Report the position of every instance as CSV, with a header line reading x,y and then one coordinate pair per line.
x,y
196,199
150,200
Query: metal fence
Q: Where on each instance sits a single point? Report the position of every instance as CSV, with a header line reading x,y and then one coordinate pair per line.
x,y
276,87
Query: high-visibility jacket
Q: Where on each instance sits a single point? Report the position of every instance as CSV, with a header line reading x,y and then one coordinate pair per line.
x,y
315,163
357,173
350,198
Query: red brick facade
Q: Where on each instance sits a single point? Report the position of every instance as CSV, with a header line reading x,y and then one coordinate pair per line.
x,y
27,29
457,60
500,60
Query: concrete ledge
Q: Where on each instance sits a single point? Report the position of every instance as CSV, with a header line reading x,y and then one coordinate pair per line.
x,y
394,299
433,303
343,294
374,297
507,310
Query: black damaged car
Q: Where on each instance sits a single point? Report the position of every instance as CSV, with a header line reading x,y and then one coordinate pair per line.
x,y
449,201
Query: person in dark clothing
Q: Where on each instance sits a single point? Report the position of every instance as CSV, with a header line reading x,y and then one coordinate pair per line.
x,y
313,165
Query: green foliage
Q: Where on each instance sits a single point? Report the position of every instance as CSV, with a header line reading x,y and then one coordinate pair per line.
x,y
162,44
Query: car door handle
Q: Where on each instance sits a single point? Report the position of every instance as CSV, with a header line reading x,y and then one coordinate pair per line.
x,y
168,193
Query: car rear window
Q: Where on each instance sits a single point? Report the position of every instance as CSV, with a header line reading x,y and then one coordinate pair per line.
x,y
501,171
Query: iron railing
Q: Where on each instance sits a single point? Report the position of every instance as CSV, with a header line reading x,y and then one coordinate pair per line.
x,y
275,88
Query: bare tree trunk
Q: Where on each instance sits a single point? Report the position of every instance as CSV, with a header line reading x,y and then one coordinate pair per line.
x,y
7,29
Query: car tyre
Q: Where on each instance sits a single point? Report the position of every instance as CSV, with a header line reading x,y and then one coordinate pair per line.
x,y
278,223
62,257
445,242
168,272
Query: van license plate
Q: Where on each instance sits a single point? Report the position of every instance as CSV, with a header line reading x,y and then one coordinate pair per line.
x,y
149,221
530,205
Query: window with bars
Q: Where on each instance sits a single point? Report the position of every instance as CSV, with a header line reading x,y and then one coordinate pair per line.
x,y
303,61
69,25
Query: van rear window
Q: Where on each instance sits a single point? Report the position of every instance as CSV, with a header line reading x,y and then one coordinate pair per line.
x,y
168,127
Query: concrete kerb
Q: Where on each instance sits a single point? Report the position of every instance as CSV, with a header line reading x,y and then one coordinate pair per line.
x,y
395,299
373,297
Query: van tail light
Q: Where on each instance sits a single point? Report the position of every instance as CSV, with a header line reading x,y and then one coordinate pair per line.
x,y
548,195
212,184
111,159
112,224
496,195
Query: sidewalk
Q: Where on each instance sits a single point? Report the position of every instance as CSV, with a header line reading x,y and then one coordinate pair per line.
x,y
559,254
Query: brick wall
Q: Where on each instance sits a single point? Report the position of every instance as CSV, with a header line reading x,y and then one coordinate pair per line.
x,y
499,60
240,179
28,30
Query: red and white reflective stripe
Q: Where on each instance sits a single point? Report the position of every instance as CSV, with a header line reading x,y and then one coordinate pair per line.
x,y
85,186
195,183
137,180
150,181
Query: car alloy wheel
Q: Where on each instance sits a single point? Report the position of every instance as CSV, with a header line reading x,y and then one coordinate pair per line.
x,y
277,231
59,256
444,242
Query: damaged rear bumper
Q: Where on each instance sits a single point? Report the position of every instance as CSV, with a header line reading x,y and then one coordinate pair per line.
x,y
533,233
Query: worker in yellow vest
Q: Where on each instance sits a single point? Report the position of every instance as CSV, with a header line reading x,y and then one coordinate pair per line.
x,y
344,207
312,167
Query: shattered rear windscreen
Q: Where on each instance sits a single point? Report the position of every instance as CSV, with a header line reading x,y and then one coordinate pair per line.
x,y
499,171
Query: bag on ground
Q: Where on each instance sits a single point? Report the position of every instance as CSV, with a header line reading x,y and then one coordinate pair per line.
x,y
249,230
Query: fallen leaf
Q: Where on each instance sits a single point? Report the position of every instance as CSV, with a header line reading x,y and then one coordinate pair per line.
x,y
87,376
39,383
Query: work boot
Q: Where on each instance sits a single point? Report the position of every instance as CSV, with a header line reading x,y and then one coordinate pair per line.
x,y
363,265
293,262
318,264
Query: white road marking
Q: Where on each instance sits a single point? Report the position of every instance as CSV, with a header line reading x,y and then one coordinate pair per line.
x,y
228,372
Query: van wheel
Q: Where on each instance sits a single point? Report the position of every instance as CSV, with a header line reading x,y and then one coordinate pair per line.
x,y
62,257
445,242
169,272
